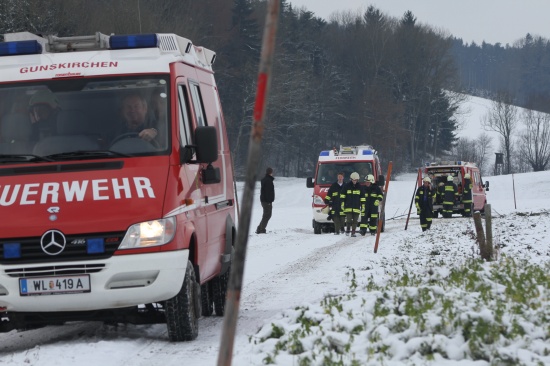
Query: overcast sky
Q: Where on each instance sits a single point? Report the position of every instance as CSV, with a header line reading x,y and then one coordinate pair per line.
x,y
492,21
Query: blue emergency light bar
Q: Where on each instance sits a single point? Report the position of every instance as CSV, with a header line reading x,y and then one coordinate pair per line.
x,y
367,152
133,41
20,48
324,153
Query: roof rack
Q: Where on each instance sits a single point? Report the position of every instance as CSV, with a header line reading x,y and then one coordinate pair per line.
x,y
24,43
448,162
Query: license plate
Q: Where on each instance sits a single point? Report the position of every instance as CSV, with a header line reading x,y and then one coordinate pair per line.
x,y
54,285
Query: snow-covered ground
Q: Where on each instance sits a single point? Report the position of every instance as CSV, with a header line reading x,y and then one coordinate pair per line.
x,y
290,271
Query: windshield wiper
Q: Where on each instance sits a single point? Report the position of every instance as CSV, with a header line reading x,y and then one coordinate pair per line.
x,y
24,158
93,154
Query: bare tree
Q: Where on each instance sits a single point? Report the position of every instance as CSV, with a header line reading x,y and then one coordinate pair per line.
x,y
483,147
534,144
475,151
502,118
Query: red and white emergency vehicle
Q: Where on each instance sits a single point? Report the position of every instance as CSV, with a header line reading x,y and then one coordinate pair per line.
x,y
441,170
362,159
100,226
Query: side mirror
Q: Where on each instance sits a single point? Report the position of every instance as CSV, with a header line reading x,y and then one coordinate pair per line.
x,y
211,175
486,185
206,144
309,182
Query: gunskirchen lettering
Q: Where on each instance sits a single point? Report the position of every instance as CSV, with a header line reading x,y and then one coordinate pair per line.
x,y
69,65
75,191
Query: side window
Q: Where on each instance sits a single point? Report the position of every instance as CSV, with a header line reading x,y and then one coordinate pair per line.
x,y
198,105
186,137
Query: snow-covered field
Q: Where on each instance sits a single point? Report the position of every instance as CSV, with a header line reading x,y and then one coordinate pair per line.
x,y
290,271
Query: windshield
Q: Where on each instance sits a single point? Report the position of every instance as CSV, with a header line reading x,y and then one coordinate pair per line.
x,y
439,176
327,173
72,119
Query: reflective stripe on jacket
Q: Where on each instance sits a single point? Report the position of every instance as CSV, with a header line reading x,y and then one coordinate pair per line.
x,y
333,198
352,196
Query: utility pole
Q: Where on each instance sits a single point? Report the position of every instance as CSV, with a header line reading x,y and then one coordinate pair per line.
x,y
225,354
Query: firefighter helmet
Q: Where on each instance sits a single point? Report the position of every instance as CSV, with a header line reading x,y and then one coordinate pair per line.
x,y
44,97
427,179
450,178
467,176
354,176
370,178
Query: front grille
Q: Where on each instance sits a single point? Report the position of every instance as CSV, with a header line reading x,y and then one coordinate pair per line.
x,y
54,270
75,249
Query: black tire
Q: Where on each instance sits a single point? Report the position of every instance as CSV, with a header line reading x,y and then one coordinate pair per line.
x,y
219,292
183,310
207,304
317,228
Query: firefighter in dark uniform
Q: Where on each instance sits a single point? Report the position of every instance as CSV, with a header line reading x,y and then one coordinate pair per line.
x,y
353,199
424,203
440,193
332,199
449,198
369,212
467,195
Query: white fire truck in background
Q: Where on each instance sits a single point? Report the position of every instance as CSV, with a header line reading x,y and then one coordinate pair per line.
x,y
441,170
103,225
362,159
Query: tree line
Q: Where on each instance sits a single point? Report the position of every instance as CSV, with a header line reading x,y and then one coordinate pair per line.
x,y
361,77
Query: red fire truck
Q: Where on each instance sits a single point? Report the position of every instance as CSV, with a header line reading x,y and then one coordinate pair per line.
x,y
102,219
362,159
440,171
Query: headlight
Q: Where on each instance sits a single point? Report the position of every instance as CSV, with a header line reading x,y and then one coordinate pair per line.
x,y
149,234
318,200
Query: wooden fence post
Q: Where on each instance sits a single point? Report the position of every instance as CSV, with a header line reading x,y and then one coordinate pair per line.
x,y
489,232
480,235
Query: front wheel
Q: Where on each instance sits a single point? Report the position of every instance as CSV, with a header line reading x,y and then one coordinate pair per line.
x,y
183,310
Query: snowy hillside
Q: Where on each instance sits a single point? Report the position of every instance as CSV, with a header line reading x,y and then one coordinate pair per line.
x,y
285,315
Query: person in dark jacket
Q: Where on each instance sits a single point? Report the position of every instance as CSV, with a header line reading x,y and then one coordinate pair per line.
x,y
369,213
136,119
467,195
353,199
440,193
267,196
449,198
43,108
424,203
332,199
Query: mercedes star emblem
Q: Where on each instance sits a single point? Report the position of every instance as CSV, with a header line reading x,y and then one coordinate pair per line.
x,y
53,242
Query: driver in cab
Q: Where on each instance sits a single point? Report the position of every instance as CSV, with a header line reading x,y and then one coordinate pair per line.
x,y
136,119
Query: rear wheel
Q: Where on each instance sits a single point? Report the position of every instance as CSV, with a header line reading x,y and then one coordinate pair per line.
x,y
219,292
317,228
206,300
184,309
219,286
